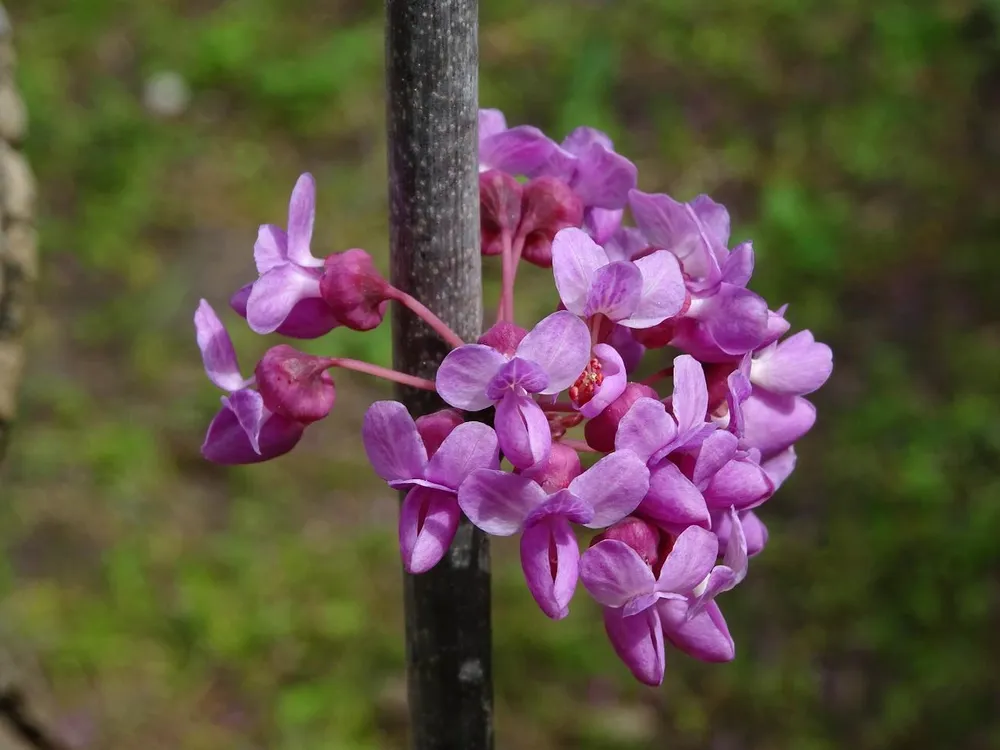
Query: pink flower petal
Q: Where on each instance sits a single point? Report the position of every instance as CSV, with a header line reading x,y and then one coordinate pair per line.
x,y
276,293
718,449
491,122
613,487
738,267
428,520
645,428
615,291
689,402
772,422
301,214
216,349
673,499
603,178
796,366
638,642
690,560
271,248
550,558
741,483
227,442
523,430
678,227
575,260
465,373
613,573
663,291
392,442
780,467
498,502
469,446
564,504
248,406
560,343
522,150
518,373
704,636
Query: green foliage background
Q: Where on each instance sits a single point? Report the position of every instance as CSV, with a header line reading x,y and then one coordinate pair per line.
x,y
174,604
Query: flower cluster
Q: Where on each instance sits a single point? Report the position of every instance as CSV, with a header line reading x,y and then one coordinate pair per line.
x,y
674,478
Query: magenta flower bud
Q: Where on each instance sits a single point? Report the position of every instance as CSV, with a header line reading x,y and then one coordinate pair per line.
x,y
499,209
294,384
638,534
547,206
355,290
557,471
434,428
503,337
600,431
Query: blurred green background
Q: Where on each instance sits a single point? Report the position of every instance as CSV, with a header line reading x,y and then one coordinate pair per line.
x,y
169,603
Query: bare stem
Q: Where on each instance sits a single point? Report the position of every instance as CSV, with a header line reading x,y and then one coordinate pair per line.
x,y
421,311
382,372
505,310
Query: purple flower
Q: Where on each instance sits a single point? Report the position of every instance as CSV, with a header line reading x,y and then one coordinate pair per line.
x,y
586,160
589,165
289,274
523,150
309,318
626,586
697,233
693,467
652,433
546,361
244,431
724,319
504,504
703,635
635,294
725,576
772,422
429,515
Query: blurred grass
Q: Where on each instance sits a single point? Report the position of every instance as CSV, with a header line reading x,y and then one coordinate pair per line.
x,y
177,604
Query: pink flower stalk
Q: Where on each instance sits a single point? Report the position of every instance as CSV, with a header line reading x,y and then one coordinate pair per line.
x,y
686,454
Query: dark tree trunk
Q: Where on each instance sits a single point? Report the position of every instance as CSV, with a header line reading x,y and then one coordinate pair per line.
x,y
432,69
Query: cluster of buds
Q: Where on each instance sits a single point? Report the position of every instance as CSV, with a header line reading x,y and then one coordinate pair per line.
x,y
674,479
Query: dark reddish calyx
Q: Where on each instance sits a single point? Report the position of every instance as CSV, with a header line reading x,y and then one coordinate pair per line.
x,y
585,387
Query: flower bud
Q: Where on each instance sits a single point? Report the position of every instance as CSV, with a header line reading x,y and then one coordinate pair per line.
x,y
600,431
294,384
547,206
640,535
499,209
504,337
356,292
434,428
557,471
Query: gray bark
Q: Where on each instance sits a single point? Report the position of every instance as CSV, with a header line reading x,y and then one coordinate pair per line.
x,y
432,73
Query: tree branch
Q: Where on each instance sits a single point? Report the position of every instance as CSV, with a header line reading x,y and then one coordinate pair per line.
x,y
432,71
